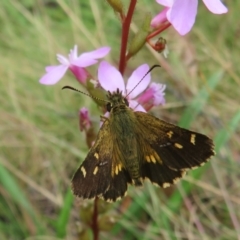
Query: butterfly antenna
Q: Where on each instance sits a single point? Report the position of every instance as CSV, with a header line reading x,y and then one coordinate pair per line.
x,y
76,90
154,66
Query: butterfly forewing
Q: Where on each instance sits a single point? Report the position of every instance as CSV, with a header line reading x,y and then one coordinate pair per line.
x,y
177,148
101,173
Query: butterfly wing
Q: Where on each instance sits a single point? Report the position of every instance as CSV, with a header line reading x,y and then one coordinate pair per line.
x,y
161,174
101,173
170,150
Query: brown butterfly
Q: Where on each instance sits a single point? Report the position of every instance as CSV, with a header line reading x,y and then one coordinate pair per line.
x,y
133,146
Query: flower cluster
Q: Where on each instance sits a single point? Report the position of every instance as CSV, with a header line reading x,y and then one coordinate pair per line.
x,y
109,79
140,91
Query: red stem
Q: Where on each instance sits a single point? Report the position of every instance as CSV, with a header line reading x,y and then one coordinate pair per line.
x,y
94,225
159,30
125,33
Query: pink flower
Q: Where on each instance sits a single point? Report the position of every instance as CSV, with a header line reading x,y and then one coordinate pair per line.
x,y
182,13
153,96
111,79
75,63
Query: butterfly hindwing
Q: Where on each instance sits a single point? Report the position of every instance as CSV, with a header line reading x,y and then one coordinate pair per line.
x,y
161,174
154,169
118,178
101,173
118,186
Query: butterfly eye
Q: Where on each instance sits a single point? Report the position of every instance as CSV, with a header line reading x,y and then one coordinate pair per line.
x,y
126,101
109,107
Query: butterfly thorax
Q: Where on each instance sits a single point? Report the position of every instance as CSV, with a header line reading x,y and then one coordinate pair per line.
x,y
122,123
116,101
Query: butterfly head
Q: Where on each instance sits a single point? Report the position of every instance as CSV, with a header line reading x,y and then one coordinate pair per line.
x,y
116,100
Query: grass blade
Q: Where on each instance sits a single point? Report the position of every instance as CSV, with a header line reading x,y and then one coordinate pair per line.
x,y
17,195
64,215
200,100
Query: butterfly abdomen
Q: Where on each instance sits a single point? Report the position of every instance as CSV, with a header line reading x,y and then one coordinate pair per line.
x,y
133,166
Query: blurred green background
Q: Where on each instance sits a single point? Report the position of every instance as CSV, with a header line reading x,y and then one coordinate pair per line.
x,y
41,146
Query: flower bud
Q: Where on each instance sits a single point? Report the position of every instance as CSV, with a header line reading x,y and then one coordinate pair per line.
x,y
140,38
84,119
95,89
116,5
161,46
85,125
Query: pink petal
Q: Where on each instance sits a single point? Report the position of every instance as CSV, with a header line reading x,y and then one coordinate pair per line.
x,y
136,106
63,60
153,96
159,93
110,78
89,58
73,54
159,18
50,68
166,3
82,61
98,53
182,15
106,114
137,76
147,96
215,6
54,75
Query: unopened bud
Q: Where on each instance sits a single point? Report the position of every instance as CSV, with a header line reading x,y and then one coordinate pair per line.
x,y
140,38
96,90
116,5
161,46
85,125
84,119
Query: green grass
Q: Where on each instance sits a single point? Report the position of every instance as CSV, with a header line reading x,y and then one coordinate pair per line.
x,y
41,147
